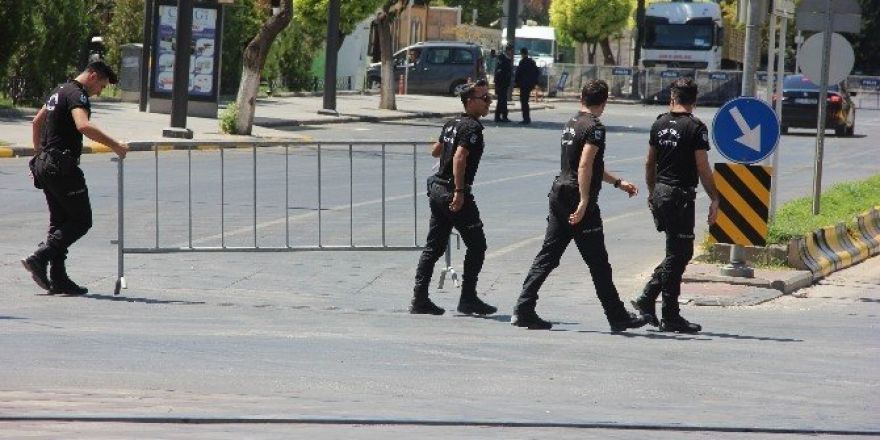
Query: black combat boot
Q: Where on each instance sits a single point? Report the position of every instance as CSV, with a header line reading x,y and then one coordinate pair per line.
x,y
630,320
530,320
61,283
37,263
424,306
647,307
672,320
473,305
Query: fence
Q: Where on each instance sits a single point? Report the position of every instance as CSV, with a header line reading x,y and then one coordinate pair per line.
x,y
233,182
651,85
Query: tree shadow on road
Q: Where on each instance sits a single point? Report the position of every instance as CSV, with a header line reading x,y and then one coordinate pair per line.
x,y
10,317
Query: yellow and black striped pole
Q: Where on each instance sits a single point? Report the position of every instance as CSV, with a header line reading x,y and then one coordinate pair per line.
x,y
744,206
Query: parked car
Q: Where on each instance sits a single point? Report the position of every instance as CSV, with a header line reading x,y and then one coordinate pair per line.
x,y
435,67
800,106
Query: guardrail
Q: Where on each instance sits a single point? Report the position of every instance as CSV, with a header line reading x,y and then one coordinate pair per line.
x,y
334,164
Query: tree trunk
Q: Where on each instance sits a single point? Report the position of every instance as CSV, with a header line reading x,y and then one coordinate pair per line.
x,y
387,100
606,51
253,60
591,53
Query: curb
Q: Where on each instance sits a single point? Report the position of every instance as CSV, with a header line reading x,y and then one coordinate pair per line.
x,y
349,118
797,280
833,248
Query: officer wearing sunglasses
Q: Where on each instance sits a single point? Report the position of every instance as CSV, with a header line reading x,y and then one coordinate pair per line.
x,y
452,204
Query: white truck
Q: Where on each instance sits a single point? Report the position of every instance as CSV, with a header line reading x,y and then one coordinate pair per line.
x,y
683,33
541,43
539,40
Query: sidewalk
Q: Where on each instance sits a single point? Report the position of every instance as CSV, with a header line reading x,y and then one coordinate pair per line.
x,y
273,120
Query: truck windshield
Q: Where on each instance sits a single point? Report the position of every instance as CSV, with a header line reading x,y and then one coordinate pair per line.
x,y
679,36
536,47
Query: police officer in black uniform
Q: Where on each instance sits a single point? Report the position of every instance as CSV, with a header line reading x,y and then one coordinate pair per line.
x,y
58,129
677,156
574,215
503,76
527,76
459,147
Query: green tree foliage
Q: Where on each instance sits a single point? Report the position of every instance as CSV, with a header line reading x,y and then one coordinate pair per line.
x,y
310,16
12,13
290,59
589,21
51,42
487,11
867,44
241,23
126,26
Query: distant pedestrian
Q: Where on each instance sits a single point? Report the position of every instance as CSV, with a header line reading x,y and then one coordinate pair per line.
x,y
527,75
492,61
58,130
452,204
503,76
574,215
677,157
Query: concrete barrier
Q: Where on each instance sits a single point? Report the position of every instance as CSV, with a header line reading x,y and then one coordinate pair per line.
x,y
833,248
869,230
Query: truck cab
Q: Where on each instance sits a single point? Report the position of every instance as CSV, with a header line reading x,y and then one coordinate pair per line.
x,y
683,34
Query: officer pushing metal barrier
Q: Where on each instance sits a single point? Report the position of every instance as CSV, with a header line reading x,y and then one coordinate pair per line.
x,y
574,215
459,147
677,157
58,129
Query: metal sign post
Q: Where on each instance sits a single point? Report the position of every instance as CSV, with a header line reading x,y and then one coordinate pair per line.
x,y
827,17
782,10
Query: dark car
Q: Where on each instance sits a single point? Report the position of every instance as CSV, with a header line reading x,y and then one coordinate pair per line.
x,y
435,67
800,106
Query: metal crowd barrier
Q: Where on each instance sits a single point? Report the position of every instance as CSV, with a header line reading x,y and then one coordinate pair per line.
x,y
867,90
279,148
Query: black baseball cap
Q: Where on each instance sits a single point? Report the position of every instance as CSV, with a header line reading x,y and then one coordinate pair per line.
x,y
104,70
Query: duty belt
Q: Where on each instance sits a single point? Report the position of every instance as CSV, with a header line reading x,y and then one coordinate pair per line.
x,y
57,155
447,183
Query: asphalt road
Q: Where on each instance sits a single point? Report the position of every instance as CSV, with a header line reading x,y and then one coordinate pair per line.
x,y
320,342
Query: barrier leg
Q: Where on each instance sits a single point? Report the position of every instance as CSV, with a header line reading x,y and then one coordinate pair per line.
x,y
120,225
453,275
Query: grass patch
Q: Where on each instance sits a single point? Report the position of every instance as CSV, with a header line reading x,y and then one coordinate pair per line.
x,y
840,203
5,102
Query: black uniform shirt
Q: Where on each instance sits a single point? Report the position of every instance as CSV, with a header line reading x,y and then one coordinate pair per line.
x,y
59,132
463,131
503,71
584,128
675,137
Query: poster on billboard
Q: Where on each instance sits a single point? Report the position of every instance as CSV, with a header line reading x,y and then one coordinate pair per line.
x,y
204,50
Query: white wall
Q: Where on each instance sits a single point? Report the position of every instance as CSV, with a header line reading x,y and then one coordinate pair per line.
x,y
353,60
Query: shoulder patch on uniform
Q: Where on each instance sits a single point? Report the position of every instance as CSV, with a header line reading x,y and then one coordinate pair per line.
x,y
705,136
83,98
473,139
599,134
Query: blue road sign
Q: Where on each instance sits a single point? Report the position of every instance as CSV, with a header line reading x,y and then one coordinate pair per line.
x,y
745,130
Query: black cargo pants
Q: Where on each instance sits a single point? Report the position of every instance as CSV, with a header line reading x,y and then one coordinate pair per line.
x,y
673,211
64,185
469,226
589,237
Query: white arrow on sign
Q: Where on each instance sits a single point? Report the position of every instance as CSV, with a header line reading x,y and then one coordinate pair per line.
x,y
751,136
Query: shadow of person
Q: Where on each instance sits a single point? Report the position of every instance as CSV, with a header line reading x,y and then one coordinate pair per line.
x,y
650,334
133,299
747,337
